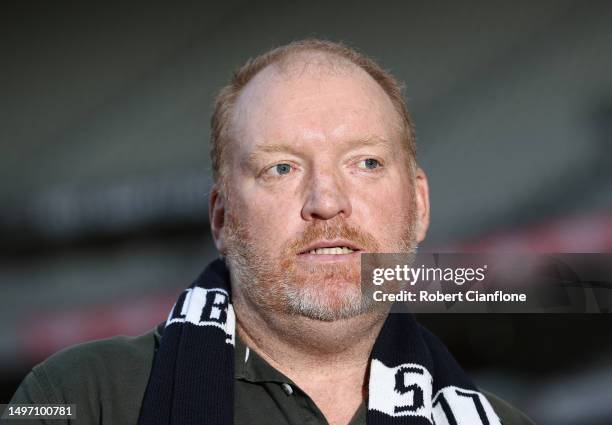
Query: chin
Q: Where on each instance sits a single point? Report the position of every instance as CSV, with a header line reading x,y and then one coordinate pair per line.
x,y
329,301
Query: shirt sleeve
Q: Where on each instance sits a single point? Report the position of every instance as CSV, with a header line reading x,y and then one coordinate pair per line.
x,y
508,414
105,380
35,389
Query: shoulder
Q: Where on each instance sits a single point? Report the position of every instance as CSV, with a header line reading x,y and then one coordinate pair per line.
x,y
110,355
508,414
94,375
99,364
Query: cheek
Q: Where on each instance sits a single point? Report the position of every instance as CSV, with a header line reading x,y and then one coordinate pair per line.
x,y
270,218
383,209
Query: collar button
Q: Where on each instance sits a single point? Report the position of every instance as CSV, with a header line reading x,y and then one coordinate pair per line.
x,y
287,388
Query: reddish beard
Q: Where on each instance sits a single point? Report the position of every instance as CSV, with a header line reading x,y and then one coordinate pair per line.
x,y
281,283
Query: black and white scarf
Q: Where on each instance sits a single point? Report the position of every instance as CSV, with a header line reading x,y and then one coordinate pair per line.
x,y
413,377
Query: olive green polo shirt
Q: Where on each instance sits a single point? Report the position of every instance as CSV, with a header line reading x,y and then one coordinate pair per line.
x,y
260,391
107,380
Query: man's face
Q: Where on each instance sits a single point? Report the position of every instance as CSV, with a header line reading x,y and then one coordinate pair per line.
x,y
316,175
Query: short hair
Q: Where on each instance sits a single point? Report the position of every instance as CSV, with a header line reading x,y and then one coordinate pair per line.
x,y
227,96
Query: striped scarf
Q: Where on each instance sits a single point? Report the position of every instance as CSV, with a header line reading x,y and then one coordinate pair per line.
x,y
413,378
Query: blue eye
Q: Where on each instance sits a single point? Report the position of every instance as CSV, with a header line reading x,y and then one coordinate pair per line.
x,y
282,169
370,163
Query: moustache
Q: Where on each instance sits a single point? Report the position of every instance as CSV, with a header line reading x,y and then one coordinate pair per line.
x,y
333,230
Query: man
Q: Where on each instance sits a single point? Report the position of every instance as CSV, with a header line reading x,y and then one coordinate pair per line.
x,y
314,164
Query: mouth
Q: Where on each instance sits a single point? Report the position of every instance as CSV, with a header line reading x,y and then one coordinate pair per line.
x,y
330,250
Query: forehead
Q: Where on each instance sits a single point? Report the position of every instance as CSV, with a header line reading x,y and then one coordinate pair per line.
x,y
313,97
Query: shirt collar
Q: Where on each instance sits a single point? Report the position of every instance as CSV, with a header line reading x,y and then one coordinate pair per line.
x,y
251,367
248,365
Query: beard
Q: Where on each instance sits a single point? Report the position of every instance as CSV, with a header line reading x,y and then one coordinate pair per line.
x,y
282,284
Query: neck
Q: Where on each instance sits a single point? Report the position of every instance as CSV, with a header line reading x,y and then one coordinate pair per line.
x,y
327,360
294,339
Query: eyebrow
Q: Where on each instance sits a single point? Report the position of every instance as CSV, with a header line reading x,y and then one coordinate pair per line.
x,y
350,144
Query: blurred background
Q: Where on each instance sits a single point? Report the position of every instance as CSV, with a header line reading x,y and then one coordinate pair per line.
x,y
104,168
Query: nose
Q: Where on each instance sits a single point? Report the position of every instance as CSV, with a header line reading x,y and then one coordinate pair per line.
x,y
326,198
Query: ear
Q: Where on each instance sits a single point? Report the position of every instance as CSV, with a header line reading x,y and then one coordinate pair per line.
x,y
422,204
216,215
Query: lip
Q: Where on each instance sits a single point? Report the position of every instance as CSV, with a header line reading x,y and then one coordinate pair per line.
x,y
352,258
331,244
